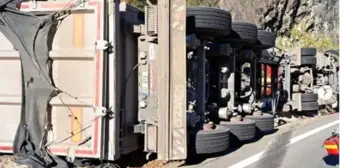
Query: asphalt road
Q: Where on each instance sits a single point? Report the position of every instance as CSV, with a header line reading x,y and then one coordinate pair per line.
x,y
307,153
294,145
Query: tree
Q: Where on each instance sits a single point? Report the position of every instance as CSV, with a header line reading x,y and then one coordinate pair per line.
x,y
299,36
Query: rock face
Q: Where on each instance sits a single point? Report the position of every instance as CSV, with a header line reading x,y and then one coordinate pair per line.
x,y
318,16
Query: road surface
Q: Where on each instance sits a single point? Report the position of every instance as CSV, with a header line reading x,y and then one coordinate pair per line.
x,y
295,145
306,153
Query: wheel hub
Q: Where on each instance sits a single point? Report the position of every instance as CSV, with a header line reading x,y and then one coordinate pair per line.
x,y
208,126
257,113
236,119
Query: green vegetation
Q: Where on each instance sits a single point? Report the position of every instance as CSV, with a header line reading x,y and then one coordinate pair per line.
x,y
300,37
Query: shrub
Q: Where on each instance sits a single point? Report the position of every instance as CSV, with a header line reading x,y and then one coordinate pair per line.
x,y
300,37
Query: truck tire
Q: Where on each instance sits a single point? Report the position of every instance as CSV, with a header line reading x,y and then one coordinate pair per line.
x,y
308,52
308,60
243,130
332,52
241,33
309,97
264,123
266,39
210,22
210,141
266,54
309,106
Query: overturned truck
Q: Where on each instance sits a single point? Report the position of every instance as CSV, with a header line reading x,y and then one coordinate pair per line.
x,y
97,78
309,81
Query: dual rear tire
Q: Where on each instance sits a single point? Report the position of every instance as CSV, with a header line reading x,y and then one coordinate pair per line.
x,y
210,141
213,23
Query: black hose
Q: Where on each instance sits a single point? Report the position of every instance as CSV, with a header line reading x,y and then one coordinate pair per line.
x,y
106,88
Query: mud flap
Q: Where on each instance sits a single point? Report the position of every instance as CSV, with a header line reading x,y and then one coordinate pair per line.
x,y
29,34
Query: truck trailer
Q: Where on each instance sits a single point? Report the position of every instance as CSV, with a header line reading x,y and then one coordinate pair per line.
x,y
84,41
101,79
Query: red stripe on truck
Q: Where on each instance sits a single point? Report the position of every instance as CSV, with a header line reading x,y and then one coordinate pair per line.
x,y
98,67
6,148
78,151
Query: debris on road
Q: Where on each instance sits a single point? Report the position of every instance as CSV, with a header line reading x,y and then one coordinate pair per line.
x,y
7,161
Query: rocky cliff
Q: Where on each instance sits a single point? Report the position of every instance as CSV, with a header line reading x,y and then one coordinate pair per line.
x,y
316,21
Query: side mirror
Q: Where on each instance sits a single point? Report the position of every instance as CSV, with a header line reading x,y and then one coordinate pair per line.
x,y
335,132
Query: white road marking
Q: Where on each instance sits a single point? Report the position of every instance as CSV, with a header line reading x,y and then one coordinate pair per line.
x,y
298,138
